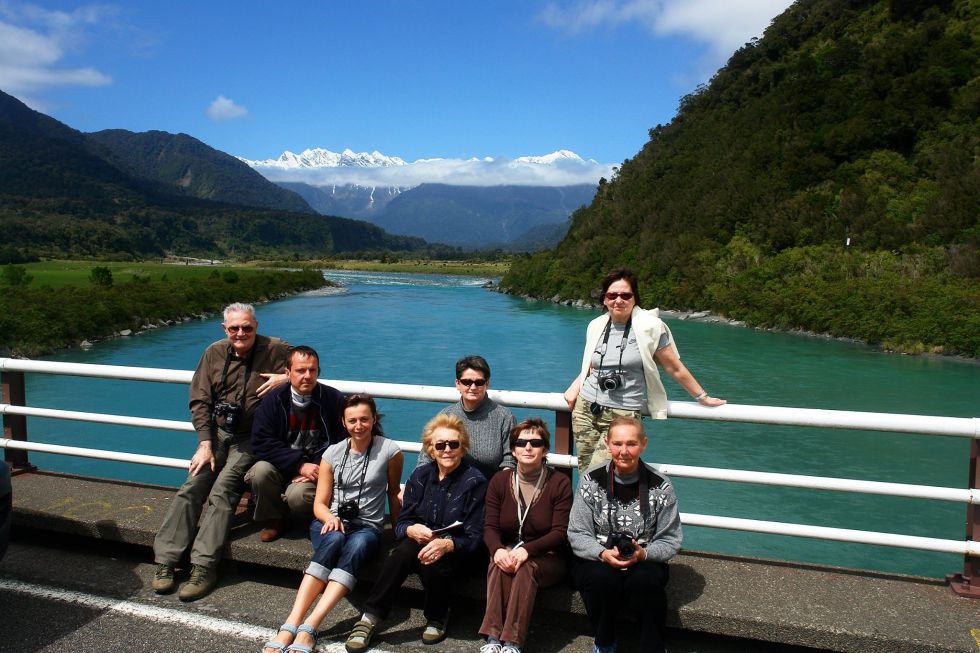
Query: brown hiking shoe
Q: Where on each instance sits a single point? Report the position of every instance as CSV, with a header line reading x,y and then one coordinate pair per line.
x,y
202,581
273,530
163,579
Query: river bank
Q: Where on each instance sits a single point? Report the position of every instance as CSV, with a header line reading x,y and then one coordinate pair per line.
x,y
74,309
709,317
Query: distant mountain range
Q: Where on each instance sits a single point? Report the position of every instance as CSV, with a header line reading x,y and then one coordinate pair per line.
x,y
522,217
124,195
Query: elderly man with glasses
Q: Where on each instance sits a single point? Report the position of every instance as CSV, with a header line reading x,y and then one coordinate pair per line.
x,y
231,377
487,422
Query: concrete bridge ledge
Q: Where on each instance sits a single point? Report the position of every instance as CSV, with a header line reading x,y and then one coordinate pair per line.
x,y
805,605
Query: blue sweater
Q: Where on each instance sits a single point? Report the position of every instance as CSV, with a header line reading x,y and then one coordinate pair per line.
x,y
435,503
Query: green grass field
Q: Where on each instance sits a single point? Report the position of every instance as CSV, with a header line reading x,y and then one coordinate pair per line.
x,y
463,268
57,274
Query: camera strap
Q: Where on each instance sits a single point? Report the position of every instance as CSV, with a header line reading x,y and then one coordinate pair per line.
x,y
643,494
364,468
622,344
224,377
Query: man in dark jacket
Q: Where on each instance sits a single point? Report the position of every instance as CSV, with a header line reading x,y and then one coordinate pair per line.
x,y
292,428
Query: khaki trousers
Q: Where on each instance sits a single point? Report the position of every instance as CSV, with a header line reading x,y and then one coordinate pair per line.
x,y
276,497
589,430
221,490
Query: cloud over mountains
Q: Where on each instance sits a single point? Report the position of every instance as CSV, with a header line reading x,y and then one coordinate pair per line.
x,y
320,167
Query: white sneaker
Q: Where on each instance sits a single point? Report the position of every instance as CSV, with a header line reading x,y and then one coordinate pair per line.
x,y
510,648
490,647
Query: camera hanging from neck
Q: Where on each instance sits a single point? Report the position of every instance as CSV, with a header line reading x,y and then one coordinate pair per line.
x,y
622,344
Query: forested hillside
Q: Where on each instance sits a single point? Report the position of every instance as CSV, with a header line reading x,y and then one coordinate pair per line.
x,y
59,198
827,178
185,166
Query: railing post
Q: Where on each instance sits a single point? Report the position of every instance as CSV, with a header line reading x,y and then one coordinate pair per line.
x,y
968,583
15,426
563,437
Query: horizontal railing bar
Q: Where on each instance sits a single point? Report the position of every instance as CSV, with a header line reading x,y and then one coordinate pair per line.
x,y
962,547
553,401
98,418
100,454
689,519
98,371
822,483
565,460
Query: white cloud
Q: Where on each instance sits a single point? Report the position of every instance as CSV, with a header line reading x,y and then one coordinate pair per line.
x,y
724,25
32,43
458,172
225,109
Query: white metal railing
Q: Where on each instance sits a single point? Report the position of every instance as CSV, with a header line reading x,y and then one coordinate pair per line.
x,y
932,425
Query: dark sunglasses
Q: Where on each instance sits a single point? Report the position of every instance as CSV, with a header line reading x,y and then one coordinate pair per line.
x,y
244,328
452,444
477,382
625,296
535,442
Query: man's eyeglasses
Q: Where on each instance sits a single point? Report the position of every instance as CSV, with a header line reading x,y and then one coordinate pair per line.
x,y
441,445
244,328
477,382
625,296
536,443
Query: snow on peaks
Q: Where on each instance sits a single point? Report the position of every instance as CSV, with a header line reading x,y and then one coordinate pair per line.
x,y
549,159
319,157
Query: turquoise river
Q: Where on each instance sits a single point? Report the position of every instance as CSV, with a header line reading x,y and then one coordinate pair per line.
x,y
411,329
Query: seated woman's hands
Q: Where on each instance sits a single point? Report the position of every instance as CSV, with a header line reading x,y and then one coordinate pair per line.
x,y
420,533
612,557
332,523
510,560
436,549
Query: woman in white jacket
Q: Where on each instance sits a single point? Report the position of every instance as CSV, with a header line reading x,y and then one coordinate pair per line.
x,y
623,348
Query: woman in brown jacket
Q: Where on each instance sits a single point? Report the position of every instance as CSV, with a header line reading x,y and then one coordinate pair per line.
x,y
524,530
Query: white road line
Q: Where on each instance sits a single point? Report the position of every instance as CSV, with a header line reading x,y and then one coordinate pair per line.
x,y
163,615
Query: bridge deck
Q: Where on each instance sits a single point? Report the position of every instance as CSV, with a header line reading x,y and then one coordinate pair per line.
x,y
805,605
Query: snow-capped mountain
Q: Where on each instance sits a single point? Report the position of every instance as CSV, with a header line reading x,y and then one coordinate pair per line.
x,y
550,159
319,157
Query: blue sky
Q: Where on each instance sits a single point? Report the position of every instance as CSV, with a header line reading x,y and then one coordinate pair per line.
x,y
413,79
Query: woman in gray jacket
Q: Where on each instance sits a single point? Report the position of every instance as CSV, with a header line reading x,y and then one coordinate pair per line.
x,y
623,529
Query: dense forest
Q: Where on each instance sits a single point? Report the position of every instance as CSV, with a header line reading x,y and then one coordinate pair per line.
x,y
827,178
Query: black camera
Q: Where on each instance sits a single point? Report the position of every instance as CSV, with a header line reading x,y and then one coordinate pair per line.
x,y
622,540
609,381
348,510
231,412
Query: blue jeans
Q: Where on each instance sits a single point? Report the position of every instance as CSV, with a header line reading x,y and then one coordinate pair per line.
x,y
339,556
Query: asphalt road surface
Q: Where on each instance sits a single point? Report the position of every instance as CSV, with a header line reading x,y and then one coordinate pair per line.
x,y
65,594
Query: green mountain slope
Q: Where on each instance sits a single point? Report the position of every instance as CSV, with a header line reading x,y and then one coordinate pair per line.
x,y
827,179
183,165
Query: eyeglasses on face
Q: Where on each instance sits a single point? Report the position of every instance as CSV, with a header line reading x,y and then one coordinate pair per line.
x,y
477,382
625,296
536,443
442,444
244,328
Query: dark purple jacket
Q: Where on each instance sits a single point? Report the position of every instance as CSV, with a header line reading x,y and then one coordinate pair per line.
x,y
270,428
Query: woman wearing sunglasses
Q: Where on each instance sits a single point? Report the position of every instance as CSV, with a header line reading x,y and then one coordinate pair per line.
x,y
438,533
619,368
525,525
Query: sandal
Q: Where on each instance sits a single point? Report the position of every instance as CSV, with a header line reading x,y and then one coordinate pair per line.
x,y
279,645
360,637
303,648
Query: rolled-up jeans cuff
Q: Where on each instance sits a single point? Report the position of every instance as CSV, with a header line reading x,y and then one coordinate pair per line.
x,y
317,570
343,577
